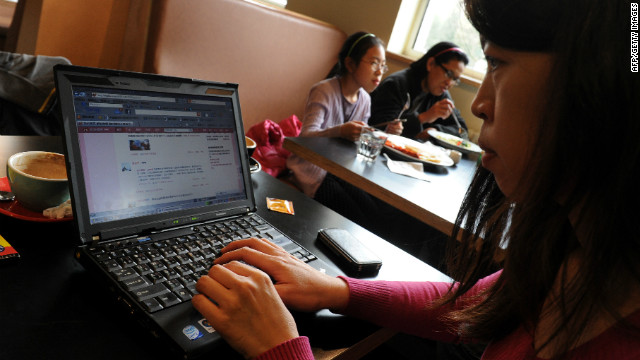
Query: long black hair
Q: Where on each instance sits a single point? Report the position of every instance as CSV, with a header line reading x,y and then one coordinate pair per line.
x,y
442,53
585,161
355,47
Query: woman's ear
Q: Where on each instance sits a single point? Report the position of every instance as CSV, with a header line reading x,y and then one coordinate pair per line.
x,y
431,62
350,64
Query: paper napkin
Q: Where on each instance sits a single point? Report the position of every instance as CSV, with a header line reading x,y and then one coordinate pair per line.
x,y
408,168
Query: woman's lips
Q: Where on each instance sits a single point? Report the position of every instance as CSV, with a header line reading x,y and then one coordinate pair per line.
x,y
488,156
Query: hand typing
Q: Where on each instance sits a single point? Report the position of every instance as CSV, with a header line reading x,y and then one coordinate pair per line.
x,y
249,309
246,311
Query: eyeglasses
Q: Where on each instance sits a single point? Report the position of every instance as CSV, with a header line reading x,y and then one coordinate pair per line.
x,y
449,74
375,66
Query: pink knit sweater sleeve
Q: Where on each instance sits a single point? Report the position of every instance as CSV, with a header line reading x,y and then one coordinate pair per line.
x,y
393,304
294,349
404,306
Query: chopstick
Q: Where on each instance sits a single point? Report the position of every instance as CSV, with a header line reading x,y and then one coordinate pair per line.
x,y
389,122
461,130
456,120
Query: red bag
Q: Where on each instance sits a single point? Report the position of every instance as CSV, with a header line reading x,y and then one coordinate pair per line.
x,y
269,137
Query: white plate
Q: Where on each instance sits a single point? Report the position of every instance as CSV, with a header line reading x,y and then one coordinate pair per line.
x,y
440,158
450,141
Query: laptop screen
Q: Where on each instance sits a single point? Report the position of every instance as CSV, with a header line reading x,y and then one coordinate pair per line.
x,y
147,153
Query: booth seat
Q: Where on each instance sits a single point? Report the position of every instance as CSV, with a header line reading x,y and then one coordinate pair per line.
x,y
275,55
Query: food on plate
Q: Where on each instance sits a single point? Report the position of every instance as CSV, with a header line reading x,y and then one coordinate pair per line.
x,y
453,140
414,151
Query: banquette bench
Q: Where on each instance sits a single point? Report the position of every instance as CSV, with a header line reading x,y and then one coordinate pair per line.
x,y
275,55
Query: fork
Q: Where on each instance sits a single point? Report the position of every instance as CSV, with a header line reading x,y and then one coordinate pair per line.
x,y
404,108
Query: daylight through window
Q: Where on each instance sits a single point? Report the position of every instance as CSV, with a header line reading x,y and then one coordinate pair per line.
x,y
442,20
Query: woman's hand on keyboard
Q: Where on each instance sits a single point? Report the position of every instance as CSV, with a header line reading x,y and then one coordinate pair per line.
x,y
300,286
242,304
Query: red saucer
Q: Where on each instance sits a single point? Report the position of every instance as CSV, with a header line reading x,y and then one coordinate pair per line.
x,y
15,210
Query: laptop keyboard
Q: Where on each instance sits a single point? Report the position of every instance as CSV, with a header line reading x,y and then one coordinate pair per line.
x,y
163,273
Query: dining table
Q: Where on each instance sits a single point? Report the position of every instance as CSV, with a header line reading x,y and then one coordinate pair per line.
x,y
51,307
434,200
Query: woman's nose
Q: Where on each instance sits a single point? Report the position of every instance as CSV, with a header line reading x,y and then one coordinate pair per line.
x,y
482,104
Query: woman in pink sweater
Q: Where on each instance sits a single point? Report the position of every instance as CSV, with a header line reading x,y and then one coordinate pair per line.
x,y
554,203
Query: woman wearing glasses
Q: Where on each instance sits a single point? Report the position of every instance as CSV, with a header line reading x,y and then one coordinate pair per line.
x,y
339,106
425,83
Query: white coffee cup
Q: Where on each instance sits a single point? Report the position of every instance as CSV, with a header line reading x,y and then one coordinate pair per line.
x,y
38,179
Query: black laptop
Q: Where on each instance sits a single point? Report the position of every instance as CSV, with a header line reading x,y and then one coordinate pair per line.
x,y
160,182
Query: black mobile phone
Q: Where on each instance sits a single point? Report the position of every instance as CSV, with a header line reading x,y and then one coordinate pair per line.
x,y
358,259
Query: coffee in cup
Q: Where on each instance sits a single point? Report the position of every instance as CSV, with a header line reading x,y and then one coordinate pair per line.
x,y
38,179
251,145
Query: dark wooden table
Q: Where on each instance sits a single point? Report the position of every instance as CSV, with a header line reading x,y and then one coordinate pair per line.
x,y
435,203
52,308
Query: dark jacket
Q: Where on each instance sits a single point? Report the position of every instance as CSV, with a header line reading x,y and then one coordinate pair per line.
x,y
388,99
28,105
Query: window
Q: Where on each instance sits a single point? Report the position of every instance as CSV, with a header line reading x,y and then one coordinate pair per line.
x,y
422,23
280,3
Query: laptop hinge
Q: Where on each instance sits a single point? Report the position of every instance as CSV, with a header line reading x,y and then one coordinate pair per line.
x,y
95,239
149,228
115,233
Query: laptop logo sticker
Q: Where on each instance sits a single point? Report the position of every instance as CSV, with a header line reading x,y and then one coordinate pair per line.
x,y
205,325
191,332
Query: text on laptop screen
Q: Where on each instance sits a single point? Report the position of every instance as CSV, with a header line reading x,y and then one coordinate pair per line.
x,y
146,153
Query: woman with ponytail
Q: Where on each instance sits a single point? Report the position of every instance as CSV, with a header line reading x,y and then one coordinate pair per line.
x,y
339,106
